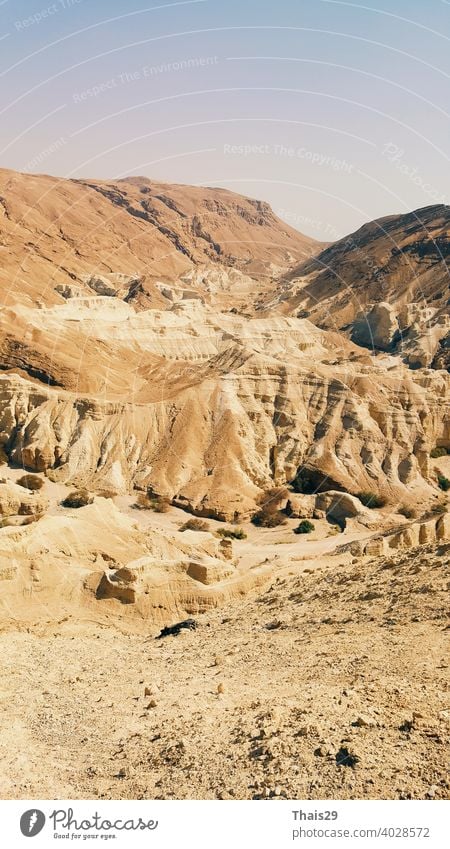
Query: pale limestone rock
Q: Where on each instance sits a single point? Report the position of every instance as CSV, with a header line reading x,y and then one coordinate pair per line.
x,y
341,506
17,501
377,328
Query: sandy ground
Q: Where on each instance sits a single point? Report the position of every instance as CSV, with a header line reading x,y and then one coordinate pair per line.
x,y
325,685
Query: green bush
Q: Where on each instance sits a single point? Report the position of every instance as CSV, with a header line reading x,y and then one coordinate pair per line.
x,y
195,525
232,533
269,519
80,498
31,482
443,483
305,527
439,451
371,499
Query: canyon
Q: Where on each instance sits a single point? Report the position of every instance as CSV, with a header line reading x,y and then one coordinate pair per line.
x,y
204,413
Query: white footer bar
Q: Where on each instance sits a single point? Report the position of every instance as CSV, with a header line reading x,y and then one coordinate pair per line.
x,y
240,825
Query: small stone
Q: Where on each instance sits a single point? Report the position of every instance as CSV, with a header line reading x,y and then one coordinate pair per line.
x,y
224,794
277,791
221,688
219,660
152,704
364,721
319,752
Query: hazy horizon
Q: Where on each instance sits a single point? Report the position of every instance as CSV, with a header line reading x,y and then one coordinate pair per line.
x,y
333,112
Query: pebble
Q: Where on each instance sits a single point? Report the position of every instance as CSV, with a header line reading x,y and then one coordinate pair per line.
x,y
221,688
364,721
152,704
224,794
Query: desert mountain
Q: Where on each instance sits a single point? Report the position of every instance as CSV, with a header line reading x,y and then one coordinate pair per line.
x,y
61,237
386,285
133,356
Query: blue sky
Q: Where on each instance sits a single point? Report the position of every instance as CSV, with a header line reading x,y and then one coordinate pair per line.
x,y
334,112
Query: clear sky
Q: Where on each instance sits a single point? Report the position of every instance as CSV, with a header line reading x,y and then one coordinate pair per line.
x,y
335,112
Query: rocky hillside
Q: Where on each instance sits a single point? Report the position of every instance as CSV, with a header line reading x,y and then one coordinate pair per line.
x,y
134,356
60,237
387,286
212,409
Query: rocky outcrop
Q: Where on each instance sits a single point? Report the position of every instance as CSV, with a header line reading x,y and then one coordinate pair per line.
x,y
96,561
19,504
340,506
435,529
386,285
377,328
161,591
219,409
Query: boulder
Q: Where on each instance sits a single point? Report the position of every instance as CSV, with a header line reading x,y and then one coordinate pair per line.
x,y
377,328
443,527
375,547
341,506
300,506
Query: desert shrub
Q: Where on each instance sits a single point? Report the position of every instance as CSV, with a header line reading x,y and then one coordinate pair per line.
x,y
232,533
443,483
439,451
161,505
3,455
195,525
158,503
269,519
79,498
407,512
106,493
371,499
31,482
437,509
305,527
143,501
